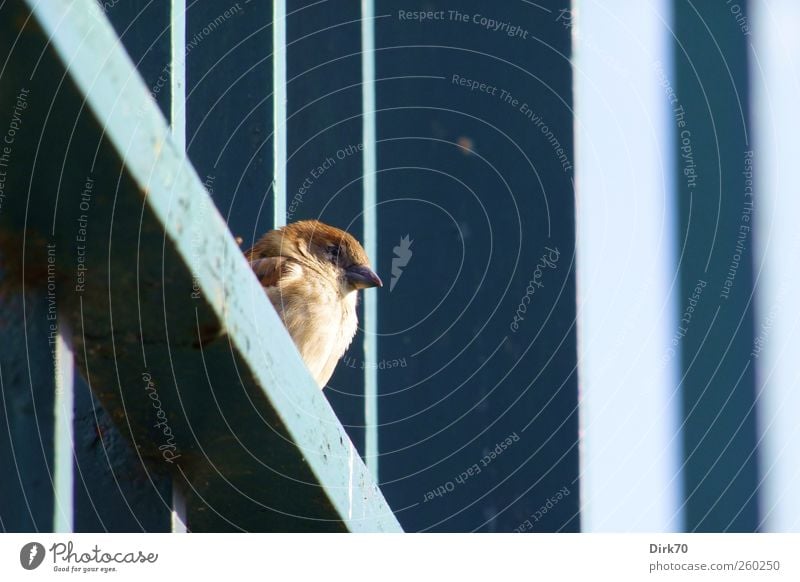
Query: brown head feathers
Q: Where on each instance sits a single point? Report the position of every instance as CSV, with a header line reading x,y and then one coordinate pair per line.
x,y
310,239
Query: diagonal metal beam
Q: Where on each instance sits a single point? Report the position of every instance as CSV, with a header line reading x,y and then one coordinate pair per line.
x,y
171,330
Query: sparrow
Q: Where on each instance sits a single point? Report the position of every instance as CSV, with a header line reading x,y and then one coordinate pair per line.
x,y
311,273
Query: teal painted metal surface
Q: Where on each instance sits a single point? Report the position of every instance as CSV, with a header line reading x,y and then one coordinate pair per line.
x,y
177,72
38,182
279,120
169,318
177,122
63,471
370,236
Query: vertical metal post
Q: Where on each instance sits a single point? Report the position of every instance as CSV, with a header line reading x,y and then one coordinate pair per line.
x,y
178,76
178,516
370,235
178,128
279,108
63,472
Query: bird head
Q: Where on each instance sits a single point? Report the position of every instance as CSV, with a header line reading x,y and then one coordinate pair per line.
x,y
328,250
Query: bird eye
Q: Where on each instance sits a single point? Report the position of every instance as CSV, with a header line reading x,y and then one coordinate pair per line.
x,y
333,251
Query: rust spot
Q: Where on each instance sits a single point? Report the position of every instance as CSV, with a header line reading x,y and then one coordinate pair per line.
x,y
467,145
12,273
24,23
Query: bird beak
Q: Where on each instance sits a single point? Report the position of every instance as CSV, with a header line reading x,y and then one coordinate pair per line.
x,y
362,277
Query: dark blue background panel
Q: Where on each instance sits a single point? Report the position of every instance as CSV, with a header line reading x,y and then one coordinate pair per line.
x,y
478,390
713,155
229,109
